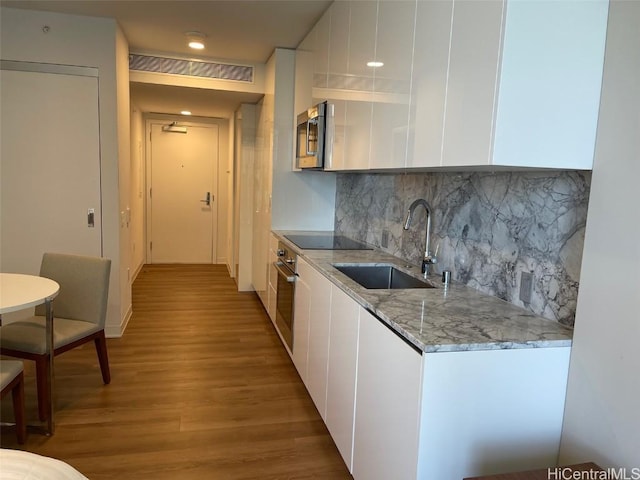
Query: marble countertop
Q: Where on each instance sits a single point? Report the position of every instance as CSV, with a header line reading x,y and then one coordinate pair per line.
x,y
441,319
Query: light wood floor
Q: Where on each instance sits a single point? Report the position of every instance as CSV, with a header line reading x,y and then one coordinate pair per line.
x,y
201,389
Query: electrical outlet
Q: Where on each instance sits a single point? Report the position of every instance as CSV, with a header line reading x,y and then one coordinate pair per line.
x,y
526,286
384,240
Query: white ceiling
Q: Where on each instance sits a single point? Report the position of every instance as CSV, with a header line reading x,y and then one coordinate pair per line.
x,y
202,103
237,30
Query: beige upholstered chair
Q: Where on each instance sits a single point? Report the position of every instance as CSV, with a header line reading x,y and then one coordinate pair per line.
x,y
79,316
12,380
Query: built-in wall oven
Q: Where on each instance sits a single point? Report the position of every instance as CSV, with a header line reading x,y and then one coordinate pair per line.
x,y
286,268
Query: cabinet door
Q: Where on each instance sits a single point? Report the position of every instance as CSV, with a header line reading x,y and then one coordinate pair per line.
x,y
319,324
491,411
303,77
273,278
429,83
387,404
321,32
337,78
358,85
341,376
301,311
550,81
473,76
392,83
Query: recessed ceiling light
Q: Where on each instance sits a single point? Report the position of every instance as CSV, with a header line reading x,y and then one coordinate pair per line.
x,y
375,64
185,112
195,40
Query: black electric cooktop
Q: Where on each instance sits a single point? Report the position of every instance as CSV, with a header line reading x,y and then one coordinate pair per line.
x,y
326,242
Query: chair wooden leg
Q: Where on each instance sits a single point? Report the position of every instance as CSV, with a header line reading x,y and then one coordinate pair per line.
x,y
17,395
103,358
42,374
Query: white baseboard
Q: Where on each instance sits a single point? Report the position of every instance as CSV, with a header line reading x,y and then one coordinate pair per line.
x,y
116,331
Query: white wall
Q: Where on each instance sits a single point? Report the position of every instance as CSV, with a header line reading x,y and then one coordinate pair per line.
x,y
602,418
301,200
89,42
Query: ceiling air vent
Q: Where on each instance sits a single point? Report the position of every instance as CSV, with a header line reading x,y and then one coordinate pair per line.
x,y
191,68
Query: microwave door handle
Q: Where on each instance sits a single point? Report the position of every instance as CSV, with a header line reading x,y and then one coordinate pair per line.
x,y
309,152
314,121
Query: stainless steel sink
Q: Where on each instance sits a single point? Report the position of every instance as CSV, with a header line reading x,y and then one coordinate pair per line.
x,y
381,277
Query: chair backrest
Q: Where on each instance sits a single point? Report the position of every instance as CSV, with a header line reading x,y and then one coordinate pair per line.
x,y
84,286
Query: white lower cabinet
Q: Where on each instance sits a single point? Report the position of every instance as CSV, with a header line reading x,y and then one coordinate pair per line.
x,y
319,323
341,377
387,404
452,415
312,315
272,291
301,312
396,413
491,411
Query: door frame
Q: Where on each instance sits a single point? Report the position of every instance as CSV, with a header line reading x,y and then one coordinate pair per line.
x,y
162,119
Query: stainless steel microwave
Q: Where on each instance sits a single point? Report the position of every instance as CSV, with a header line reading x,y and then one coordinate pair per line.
x,y
314,137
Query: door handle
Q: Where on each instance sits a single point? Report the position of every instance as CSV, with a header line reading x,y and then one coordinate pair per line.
x,y
208,199
91,217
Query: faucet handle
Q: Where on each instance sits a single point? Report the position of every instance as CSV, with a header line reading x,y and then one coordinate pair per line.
x,y
426,261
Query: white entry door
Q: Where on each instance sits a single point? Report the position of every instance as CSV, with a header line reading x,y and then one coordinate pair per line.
x,y
50,164
182,216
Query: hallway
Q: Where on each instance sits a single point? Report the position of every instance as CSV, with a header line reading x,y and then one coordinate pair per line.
x,y
201,389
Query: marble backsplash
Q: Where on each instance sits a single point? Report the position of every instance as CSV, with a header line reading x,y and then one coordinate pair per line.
x,y
487,228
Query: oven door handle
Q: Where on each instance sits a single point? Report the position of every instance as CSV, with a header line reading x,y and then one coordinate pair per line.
x,y
283,272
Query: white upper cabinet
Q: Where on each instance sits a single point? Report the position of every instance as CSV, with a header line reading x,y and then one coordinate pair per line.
x,y
524,83
465,83
305,57
473,69
322,32
338,66
392,83
357,84
429,83
550,83
312,63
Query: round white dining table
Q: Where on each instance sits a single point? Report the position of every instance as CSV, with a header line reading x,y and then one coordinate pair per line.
x,y
19,292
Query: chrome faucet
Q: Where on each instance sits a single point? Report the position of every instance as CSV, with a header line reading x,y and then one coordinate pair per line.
x,y
429,259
